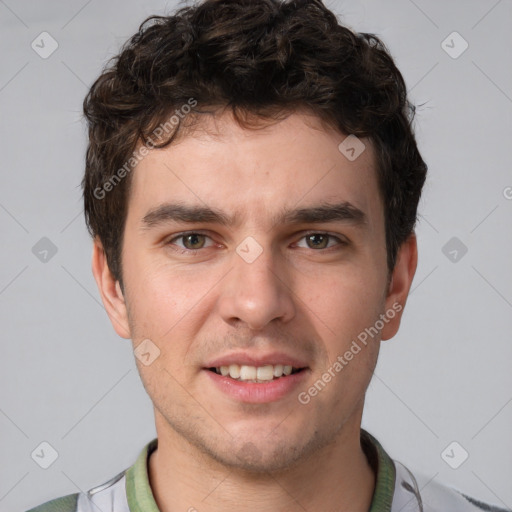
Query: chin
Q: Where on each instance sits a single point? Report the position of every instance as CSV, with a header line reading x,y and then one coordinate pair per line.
x,y
261,457
254,461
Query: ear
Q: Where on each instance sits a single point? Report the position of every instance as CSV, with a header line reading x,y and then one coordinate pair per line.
x,y
110,291
398,290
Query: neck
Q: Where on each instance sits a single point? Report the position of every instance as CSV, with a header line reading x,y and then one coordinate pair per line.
x,y
337,477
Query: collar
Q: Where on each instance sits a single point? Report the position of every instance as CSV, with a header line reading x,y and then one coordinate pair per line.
x,y
385,471
140,496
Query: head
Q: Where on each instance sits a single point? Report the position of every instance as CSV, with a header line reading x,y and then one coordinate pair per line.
x,y
225,121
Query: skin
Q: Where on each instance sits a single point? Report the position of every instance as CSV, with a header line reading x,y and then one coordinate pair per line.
x,y
307,301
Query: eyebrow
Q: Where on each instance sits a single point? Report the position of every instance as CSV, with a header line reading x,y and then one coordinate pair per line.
x,y
192,214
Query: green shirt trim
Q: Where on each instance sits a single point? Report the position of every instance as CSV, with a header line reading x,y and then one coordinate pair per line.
x,y
140,496
384,467
62,504
138,491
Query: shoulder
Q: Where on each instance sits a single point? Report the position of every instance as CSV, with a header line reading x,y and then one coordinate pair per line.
x,y
107,497
112,495
62,504
418,492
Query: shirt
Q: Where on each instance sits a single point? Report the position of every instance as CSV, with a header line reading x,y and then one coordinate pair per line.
x,y
396,489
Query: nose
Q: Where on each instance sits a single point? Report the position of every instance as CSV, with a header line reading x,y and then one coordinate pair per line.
x,y
258,292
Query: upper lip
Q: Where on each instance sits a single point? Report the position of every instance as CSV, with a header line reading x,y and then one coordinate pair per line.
x,y
248,359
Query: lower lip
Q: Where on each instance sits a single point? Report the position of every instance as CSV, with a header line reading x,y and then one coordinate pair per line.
x,y
258,393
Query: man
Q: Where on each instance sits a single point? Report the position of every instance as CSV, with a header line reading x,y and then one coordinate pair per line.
x,y
251,185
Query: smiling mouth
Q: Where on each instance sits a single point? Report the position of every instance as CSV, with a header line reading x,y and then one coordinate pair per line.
x,y
255,374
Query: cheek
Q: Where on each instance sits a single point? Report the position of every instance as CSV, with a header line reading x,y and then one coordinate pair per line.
x,y
350,298
168,305
344,316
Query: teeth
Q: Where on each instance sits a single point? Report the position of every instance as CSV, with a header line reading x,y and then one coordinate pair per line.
x,y
265,372
234,371
278,370
248,372
255,373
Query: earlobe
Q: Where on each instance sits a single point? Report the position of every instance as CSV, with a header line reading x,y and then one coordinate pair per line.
x,y
400,284
110,291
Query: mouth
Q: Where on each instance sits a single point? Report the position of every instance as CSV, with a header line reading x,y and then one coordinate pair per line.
x,y
257,378
256,374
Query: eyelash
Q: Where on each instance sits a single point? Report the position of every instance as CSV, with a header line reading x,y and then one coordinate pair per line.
x,y
196,251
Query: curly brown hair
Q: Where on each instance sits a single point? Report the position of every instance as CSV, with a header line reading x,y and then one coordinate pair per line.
x,y
263,60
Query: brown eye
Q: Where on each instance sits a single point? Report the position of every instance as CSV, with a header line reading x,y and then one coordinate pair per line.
x,y
321,241
190,243
193,241
317,241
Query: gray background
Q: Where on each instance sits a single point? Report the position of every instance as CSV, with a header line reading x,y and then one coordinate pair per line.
x,y
67,379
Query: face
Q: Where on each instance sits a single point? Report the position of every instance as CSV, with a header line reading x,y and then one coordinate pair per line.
x,y
249,252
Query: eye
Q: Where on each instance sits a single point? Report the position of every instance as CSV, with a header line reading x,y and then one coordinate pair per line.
x,y
320,240
191,241
194,241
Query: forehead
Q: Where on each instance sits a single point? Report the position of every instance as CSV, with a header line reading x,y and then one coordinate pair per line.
x,y
253,174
